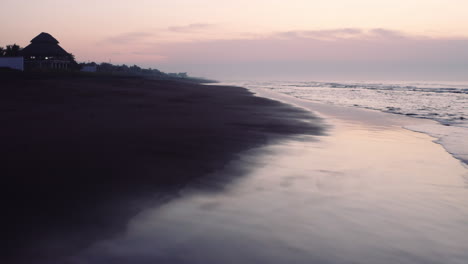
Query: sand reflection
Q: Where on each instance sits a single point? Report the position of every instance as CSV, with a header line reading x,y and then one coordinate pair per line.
x,y
362,195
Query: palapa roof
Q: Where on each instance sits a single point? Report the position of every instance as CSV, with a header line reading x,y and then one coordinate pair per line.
x,y
44,45
44,38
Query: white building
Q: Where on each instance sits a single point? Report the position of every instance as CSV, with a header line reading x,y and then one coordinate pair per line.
x,y
89,68
16,63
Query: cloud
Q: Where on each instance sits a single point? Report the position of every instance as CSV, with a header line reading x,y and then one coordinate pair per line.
x,y
386,57
334,52
386,33
342,33
129,37
190,28
338,45
333,34
342,44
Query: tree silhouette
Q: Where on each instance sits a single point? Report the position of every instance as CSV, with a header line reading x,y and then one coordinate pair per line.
x,y
73,64
12,51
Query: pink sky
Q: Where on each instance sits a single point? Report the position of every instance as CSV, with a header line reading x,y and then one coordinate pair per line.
x,y
334,39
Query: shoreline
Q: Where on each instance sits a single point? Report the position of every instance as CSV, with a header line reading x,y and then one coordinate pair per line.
x,y
418,125
368,192
79,151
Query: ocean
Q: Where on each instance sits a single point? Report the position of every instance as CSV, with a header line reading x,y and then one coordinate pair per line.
x,y
444,102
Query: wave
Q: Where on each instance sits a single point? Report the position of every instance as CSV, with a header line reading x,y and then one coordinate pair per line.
x,y
444,102
429,88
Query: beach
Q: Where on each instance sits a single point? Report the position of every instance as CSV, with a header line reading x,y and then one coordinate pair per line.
x,y
82,154
131,170
369,191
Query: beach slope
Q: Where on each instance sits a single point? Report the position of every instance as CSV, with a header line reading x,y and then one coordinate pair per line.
x,y
78,151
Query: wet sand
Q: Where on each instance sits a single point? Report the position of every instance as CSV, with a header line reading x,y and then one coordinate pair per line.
x,y
255,181
82,155
368,192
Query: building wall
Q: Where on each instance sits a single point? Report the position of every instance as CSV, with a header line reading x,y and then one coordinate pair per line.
x,y
16,63
89,69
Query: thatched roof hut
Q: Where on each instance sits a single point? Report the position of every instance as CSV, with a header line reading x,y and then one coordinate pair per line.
x,y
44,45
45,53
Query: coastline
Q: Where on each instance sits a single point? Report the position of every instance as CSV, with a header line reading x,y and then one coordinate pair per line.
x,y
368,192
82,153
238,176
441,102
432,128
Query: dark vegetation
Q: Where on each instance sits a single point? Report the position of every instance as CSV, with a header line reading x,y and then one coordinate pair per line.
x,y
14,50
108,68
10,51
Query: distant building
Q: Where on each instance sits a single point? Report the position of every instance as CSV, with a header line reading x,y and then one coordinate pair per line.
x,y
15,63
44,53
89,68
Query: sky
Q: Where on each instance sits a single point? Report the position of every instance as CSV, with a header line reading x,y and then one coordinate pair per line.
x,y
256,39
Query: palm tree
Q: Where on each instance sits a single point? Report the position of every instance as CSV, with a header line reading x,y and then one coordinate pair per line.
x,y
2,51
12,50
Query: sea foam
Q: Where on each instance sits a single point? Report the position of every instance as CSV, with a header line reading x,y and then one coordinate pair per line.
x,y
444,102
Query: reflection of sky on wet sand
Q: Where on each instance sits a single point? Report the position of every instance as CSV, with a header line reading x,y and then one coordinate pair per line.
x,y
362,195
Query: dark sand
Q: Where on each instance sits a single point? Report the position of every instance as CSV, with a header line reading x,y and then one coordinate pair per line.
x,y
79,154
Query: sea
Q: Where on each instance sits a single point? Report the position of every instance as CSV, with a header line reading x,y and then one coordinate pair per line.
x,y
444,102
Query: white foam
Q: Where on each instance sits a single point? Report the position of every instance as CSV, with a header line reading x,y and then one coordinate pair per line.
x,y
453,138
